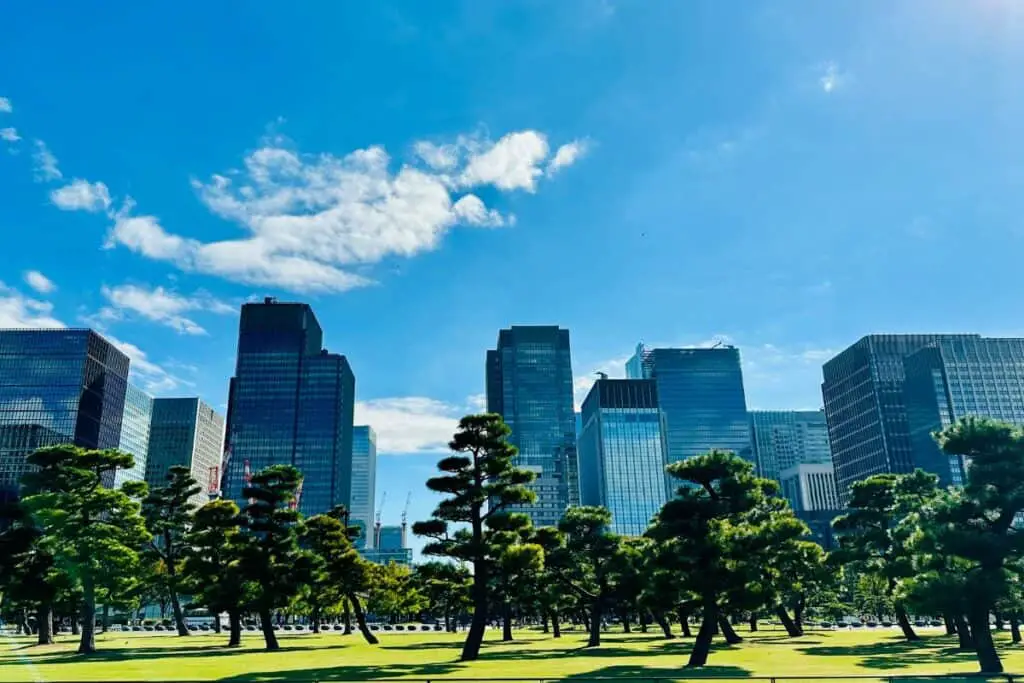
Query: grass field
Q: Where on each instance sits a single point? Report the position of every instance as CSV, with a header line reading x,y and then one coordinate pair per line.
x,y
434,656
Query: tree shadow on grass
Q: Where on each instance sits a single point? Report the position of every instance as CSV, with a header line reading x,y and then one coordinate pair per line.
x,y
111,654
677,673
896,653
345,673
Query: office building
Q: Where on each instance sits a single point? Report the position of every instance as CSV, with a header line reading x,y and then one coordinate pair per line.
x,y
529,383
57,386
135,425
364,482
189,433
622,462
810,487
784,438
865,407
701,397
389,546
290,403
957,378
390,537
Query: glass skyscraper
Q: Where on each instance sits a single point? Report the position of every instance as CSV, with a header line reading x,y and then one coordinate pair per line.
x,y
135,424
529,383
784,438
57,386
956,378
700,393
185,431
364,482
290,403
865,406
622,462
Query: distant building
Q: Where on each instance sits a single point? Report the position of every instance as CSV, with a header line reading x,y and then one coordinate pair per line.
x,y
700,393
380,556
57,386
784,438
186,432
957,378
621,456
134,439
290,403
390,538
364,482
810,487
865,406
529,383
820,524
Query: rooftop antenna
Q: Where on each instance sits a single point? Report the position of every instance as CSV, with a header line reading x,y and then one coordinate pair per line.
x,y
405,517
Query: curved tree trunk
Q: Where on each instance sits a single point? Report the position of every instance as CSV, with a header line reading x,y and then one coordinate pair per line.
x,y
684,622
997,616
904,622
789,624
729,632
44,624
963,633
556,628
666,628
267,624
357,607
506,621
947,620
596,617
471,648
1015,627
346,616
235,626
988,658
702,645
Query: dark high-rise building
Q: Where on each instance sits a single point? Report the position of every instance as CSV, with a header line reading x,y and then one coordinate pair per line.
x,y
186,432
57,386
621,455
700,393
784,438
290,403
529,383
957,378
865,406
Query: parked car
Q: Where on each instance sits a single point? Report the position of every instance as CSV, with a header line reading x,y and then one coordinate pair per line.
x,y
158,627
250,628
936,622
920,623
134,628
374,627
872,624
438,627
388,627
887,624
826,624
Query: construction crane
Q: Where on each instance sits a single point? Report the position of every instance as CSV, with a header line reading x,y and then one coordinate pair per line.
x,y
405,517
376,527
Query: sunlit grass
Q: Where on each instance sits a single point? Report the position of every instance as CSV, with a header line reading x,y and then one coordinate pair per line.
x,y
332,656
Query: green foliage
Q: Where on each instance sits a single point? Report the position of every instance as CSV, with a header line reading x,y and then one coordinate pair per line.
x,y
330,554
445,587
393,593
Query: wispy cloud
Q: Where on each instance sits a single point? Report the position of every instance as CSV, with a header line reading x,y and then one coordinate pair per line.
x,y
9,134
39,282
567,155
151,376
18,311
45,163
410,425
831,78
81,195
5,106
160,305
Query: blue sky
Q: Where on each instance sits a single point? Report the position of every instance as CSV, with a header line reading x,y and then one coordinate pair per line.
x,y
788,175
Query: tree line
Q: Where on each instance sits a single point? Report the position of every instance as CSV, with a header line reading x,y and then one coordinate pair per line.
x,y
727,547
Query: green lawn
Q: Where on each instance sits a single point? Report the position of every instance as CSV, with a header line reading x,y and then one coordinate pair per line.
x,y
335,657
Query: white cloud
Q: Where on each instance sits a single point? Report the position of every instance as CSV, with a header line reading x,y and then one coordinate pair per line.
x,y
5,106
831,77
20,312
81,195
615,368
9,134
477,403
39,282
313,218
45,162
160,305
567,155
144,372
410,424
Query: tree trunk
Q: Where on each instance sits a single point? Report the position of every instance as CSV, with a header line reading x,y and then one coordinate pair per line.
x,y
790,625
644,619
347,617
666,628
586,621
44,622
596,617
798,614
75,626
23,626
544,628
753,622
988,658
963,633
998,618
471,648
179,614
556,628
702,646
506,621
87,644
904,622
624,618
235,625
106,618
315,619
1015,628
729,632
448,618
267,624
684,622
949,623
357,607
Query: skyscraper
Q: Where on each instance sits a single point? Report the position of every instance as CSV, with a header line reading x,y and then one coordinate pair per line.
x,y
810,487
529,383
956,378
784,438
57,386
135,425
364,482
700,393
865,406
186,432
290,403
622,462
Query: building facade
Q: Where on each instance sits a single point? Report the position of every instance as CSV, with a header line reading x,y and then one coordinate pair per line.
x,y
810,487
529,383
57,386
957,378
701,397
364,483
621,455
865,408
290,402
134,439
784,438
186,432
